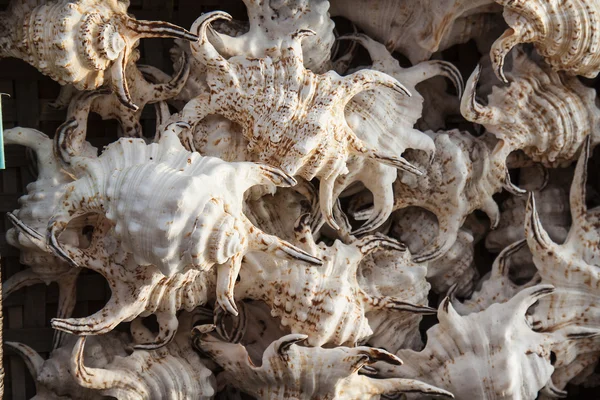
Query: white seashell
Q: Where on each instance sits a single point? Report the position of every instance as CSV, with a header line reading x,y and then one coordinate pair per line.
x,y
418,28
270,22
492,354
327,303
77,42
544,113
393,274
307,134
173,372
290,371
563,32
393,115
574,310
172,208
417,228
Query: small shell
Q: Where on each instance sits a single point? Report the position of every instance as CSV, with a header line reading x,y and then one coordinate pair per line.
x,y
290,371
544,113
174,372
292,118
172,208
327,303
563,32
419,28
574,310
76,42
493,354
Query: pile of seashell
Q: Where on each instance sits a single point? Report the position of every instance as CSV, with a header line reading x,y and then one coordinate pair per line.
x,y
309,197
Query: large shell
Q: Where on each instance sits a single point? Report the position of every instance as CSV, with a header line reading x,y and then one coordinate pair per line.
x,y
78,41
172,208
574,310
98,366
290,371
462,178
544,113
327,303
292,118
563,32
419,28
394,117
493,354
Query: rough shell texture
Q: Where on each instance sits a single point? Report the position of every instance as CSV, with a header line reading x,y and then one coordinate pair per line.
x,y
77,42
292,118
99,366
563,32
134,185
290,371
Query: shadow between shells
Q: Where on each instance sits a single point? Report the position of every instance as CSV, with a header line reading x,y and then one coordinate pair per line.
x,y
308,219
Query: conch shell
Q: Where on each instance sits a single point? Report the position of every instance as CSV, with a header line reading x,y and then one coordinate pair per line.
x,y
292,118
90,368
76,42
172,208
290,371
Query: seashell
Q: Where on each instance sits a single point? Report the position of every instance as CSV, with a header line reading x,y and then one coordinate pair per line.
x,y
573,268
327,303
542,112
553,207
94,367
173,209
290,371
563,32
419,28
306,135
417,228
270,22
395,117
492,354
35,210
108,106
76,42
462,178
393,274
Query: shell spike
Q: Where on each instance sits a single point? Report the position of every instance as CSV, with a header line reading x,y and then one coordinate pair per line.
x,y
376,354
168,90
501,47
34,236
398,385
118,81
168,325
377,51
158,29
490,207
203,49
511,187
552,391
372,243
392,303
342,219
500,265
67,289
268,175
303,233
367,79
537,237
396,162
64,138
32,359
20,280
577,195
527,297
469,107
262,241
326,189
283,345
227,274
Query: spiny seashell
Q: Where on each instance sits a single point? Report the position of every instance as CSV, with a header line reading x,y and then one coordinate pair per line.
x,y
270,22
78,41
136,290
327,303
108,106
552,197
562,31
573,268
545,114
172,208
462,178
416,228
292,118
493,354
393,274
89,368
290,371
35,210
418,28
394,118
